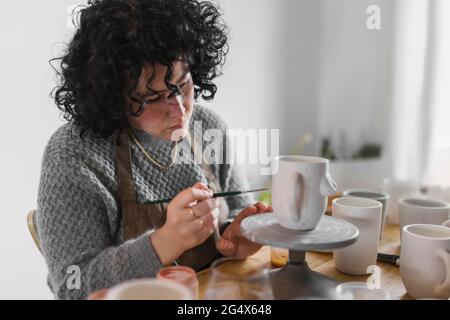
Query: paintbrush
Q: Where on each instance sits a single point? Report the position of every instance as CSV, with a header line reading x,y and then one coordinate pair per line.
x,y
215,195
389,258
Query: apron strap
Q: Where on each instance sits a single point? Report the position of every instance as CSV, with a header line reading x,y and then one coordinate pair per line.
x,y
126,189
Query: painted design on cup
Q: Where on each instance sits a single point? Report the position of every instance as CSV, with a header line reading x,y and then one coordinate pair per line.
x,y
300,190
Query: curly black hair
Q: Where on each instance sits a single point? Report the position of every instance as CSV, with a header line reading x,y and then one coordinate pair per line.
x,y
115,39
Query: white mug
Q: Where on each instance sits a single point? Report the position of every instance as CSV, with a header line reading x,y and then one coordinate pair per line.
x,y
397,189
374,195
299,191
365,214
149,289
422,211
425,261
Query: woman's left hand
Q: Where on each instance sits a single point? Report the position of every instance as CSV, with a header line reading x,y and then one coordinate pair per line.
x,y
232,243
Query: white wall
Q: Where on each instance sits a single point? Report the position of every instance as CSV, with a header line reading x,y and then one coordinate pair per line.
x,y
328,74
270,80
28,30
354,72
248,95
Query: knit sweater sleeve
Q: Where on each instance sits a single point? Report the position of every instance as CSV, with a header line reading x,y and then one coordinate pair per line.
x,y
75,234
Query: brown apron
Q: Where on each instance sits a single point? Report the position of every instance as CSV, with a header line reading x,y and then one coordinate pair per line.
x,y
139,218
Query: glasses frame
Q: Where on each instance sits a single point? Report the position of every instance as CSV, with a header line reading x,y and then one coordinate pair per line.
x,y
178,91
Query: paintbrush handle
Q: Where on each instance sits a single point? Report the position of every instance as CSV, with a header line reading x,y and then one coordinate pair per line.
x,y
389,258
215,195
235,193
226,194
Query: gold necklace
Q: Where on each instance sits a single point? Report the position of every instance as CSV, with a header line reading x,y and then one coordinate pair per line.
x,y
155,162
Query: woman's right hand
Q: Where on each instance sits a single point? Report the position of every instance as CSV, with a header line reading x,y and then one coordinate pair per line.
x,y
191,218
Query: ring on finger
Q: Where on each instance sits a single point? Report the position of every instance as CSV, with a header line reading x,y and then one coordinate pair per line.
x,y
192,213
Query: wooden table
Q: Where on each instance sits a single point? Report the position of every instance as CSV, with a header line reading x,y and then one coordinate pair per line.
x,y
324,263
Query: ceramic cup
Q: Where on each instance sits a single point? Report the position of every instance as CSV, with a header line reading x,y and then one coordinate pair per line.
x,y
397,189
365,214
299,191
183,275
360,291
425,261
149,289
422,211
375,195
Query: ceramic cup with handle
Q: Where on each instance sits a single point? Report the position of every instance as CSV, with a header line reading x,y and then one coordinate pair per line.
x,y
299,191
365,214
149,289
375,195
422,211
425,261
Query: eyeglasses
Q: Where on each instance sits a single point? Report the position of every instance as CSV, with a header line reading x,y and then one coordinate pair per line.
x,y
179,92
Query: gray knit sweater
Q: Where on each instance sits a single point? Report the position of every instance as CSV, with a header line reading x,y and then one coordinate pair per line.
x,y
77,213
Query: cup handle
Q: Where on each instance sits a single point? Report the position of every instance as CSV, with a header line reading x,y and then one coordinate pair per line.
x,y
327,186
297,184
445,286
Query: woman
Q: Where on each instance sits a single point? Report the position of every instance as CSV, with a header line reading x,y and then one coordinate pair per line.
x,y
128,83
